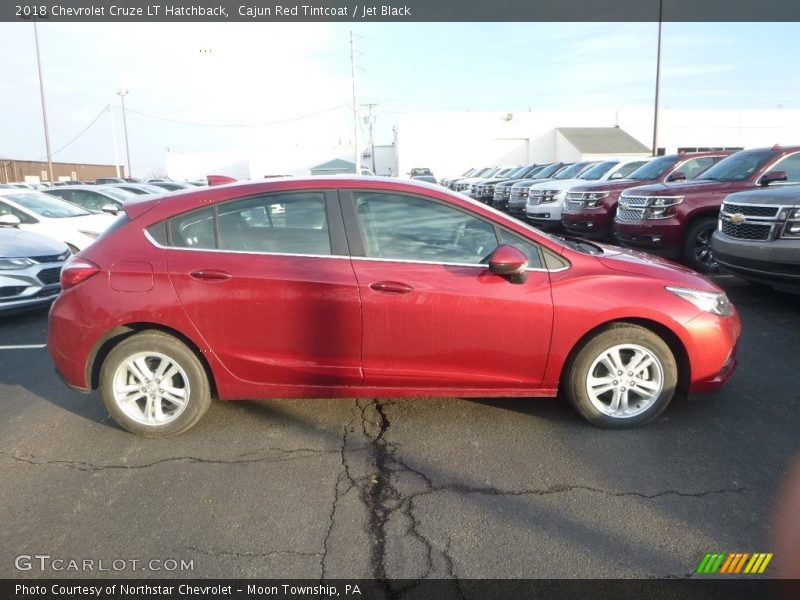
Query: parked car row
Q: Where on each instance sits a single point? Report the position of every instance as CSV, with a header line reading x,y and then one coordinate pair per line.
x,y
667,205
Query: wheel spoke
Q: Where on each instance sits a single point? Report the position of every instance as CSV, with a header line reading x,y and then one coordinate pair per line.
x,y
623,401
647,384
614,406
174,396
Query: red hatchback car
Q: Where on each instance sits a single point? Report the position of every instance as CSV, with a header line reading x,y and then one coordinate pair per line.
x,y
355,287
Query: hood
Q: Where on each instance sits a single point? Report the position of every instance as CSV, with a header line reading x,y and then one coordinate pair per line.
x,y
611,186
675,189
96,223
530,182
558,184
506,182
786,195
15,243
647,265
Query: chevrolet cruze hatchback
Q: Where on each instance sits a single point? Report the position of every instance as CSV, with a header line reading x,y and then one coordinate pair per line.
x,y
353,287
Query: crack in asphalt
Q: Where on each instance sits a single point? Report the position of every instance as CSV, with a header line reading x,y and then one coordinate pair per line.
x,y
283,454
379,492
237,554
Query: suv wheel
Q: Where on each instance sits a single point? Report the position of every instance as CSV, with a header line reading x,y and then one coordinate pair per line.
x,y
153,385
697,247
623,377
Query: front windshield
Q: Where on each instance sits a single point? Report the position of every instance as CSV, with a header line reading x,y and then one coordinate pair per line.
x,y
47,206
739,166
596,172
545,172
490,173
571,172
654,169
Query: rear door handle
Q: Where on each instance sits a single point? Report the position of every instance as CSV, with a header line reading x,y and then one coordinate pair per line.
x,y
210,275
391,287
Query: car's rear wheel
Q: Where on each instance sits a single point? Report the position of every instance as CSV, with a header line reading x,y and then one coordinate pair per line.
x,y
697,252
624,376
153,385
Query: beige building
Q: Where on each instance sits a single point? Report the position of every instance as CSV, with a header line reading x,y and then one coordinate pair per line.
x,y
33,170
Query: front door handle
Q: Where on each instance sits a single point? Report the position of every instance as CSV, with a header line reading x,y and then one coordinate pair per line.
x,y
210,275
391,287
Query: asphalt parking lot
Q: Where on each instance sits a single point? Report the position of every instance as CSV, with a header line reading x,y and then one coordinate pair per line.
x,y
407,488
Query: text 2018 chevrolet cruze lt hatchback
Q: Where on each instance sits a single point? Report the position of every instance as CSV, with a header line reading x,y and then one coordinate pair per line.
x,y
348,287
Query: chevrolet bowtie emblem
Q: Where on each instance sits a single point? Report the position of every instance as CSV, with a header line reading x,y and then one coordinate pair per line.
x,y
624,205
737,218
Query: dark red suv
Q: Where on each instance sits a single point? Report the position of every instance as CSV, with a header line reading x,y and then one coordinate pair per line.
x,y
589,208
678,220
364,287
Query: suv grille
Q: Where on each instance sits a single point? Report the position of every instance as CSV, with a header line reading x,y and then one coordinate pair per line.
x,y
631,208
747,231
750,211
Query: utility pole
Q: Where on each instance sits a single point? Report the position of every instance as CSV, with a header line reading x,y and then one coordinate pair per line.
x,y
355,106
370,122
44,104
114,138
122,92
658,77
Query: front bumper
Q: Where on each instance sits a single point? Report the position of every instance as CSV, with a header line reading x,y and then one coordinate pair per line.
x,y
712,348
596,223
775,263
662,237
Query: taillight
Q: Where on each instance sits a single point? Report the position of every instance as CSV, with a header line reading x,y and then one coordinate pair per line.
x,y
77,270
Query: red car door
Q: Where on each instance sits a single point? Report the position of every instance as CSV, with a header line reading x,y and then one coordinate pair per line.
x,y
267,282
433,314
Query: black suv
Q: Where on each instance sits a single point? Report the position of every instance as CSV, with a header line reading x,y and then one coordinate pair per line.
x,y
758,236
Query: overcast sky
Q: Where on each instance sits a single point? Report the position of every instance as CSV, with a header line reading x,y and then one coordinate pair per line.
x,y
232,86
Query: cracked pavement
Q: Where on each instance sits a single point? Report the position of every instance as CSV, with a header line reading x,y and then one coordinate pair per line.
x,y
379,488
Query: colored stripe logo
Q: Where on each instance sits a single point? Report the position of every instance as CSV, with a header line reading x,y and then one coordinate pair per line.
x,y
734,563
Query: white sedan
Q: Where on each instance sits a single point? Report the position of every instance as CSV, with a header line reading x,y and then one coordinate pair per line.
x,y
52,217
546,200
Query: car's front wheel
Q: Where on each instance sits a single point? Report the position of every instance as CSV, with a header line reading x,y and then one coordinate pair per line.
x,y
153,385
624,376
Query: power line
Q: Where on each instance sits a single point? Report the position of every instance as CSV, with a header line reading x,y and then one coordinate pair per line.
x,y
235,125
84,130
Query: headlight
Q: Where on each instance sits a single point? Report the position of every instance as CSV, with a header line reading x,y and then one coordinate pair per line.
x,y
91,234
714,302
8,264
593,199
659,208
791,229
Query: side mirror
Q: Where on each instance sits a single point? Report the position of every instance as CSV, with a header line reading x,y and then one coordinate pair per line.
x,y
771,176
677,175
509,262
111,209
9,221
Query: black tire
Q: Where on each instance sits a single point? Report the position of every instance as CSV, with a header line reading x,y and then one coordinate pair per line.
x,y
195,388
575,380
697,246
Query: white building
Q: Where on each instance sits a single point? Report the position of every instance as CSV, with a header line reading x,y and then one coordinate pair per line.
x,y
450,143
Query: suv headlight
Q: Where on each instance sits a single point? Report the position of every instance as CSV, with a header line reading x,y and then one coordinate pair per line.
x,y
791,229
10,264
659,208
593,199
714,302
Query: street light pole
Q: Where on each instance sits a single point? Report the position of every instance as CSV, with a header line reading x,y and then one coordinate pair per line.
x,y
122,92
44,104
658,77
371,122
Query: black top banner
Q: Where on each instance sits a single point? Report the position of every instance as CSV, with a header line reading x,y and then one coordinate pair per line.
x,y
401,10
